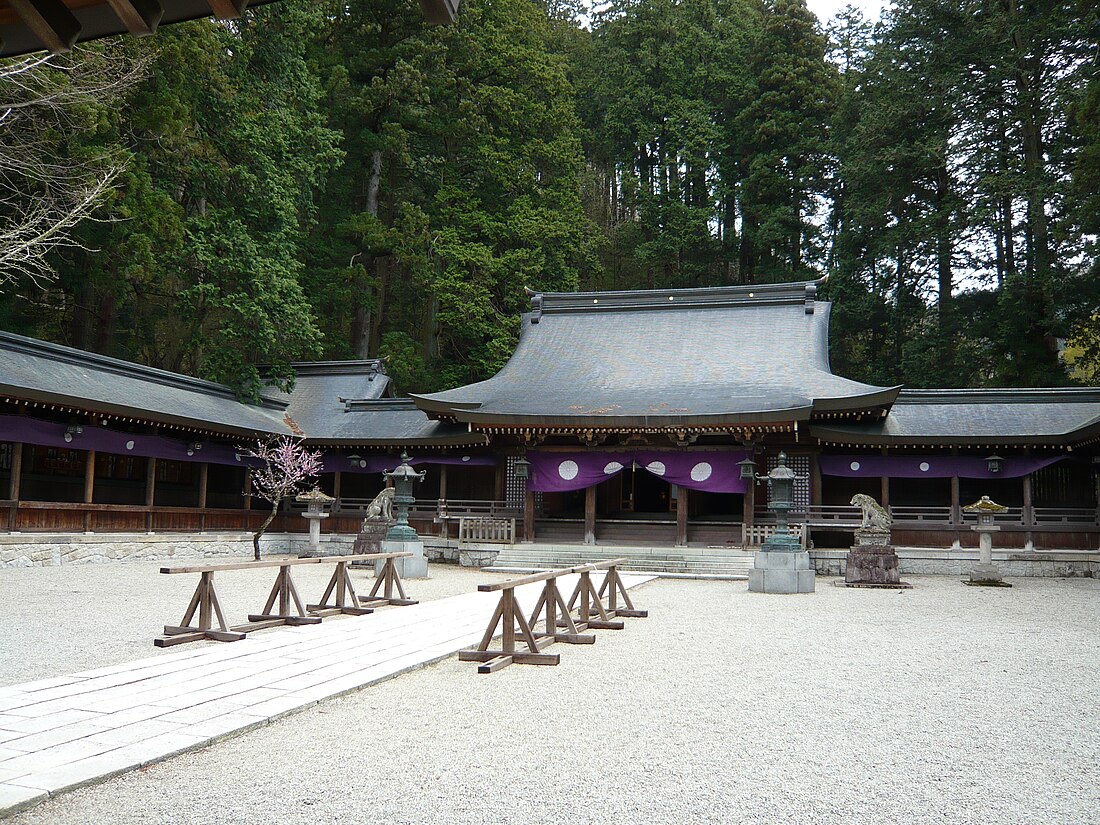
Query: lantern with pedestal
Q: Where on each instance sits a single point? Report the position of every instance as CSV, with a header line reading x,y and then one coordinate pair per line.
x,y
985,572
781,565
315,502
403,477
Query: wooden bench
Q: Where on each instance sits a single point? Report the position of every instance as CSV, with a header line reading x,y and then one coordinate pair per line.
x,y
553,612
291,610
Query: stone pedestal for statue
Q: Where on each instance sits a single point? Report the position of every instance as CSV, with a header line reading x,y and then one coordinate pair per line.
x,y
369,540
872,561
410,567
781,570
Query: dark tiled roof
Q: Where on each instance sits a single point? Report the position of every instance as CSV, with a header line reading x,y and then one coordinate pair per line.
x,y
665,359
390,422
38,371
992,416
323,388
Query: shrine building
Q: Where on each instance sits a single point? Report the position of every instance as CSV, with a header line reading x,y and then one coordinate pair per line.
x,y
634,417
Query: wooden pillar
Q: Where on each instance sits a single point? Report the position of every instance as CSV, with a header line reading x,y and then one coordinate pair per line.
x,y
590,514
956,510
529,516
681,516
444,526
747,509
336,477
1029,510
247,490
150,491
498,487
204,481
13,487
884,491
16,471
815,480
89,487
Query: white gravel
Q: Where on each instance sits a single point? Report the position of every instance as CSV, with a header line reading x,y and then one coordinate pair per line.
x,y
59,620
943,704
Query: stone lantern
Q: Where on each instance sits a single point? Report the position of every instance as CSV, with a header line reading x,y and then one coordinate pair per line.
x,y
401,537
315,502
985,572
781,565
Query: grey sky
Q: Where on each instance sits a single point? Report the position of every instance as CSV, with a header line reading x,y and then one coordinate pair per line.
x,y
825,9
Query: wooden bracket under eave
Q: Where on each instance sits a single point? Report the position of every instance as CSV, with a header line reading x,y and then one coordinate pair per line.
x,y
140,17
227,9
54,25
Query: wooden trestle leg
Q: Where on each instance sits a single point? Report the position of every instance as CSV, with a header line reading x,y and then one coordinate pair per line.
x,y
508,617
613,587
285,591
390,580
205,601
551,601
591,605
346,599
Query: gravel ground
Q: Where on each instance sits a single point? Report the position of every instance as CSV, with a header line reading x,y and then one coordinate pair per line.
x,y
59,620
942,704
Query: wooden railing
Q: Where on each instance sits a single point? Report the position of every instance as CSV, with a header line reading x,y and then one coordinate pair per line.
x,y
755,535
553,613
1078,516
205,606
486,530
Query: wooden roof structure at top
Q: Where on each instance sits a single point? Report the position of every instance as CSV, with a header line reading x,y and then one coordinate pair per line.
x,y
56,25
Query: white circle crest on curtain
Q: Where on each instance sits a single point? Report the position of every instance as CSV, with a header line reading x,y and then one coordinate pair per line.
x,y
701,471
465,458
362,462
656,467
925,467
854,465
568,470
129,445
612,467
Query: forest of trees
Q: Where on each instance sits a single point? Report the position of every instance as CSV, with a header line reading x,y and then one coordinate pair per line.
x,y
340,180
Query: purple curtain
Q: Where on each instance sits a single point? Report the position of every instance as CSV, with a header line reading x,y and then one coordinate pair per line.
x,y
928,466
52,434
558,472
710,470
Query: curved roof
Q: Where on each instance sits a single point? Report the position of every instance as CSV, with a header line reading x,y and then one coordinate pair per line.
x,y
974,416
665,358
39,371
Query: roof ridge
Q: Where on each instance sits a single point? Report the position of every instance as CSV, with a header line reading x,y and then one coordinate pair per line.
x,y
994,394
12,342
797,292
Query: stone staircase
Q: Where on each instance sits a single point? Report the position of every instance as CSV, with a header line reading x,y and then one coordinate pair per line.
x,y
671,562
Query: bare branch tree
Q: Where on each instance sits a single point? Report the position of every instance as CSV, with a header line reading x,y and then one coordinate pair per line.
x,y
46,189
287,469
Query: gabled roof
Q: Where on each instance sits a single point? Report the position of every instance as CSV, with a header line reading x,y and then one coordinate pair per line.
x,y
323,388
665,358
391,422
38,371
1058,416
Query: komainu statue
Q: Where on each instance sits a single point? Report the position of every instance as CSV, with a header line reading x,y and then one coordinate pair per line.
x,y
381,509
875,516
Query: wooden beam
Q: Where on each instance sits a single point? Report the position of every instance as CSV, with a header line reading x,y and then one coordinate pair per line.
x,y
204,483
16,471
150,491
227,9
140,17
681,516
51,22
590,514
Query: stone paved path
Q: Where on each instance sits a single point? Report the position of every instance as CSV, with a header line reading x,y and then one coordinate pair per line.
x,y
62,733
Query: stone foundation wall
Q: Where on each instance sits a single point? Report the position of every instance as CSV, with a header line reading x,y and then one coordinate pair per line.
x,y
50,549
922,562
468,555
